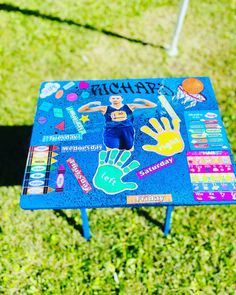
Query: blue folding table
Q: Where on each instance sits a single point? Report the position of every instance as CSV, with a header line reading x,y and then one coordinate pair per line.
x,y
128,143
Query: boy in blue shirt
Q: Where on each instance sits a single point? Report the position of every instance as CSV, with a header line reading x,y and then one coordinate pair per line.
x,y
119,131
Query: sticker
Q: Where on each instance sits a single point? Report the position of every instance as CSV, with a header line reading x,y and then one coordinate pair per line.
x,y
60,179
188,94
166,105
83,85
81,148
84,118
212,175
59,94
85,94
109,173
43,154
63,137
122,117
37,175
42,120
169,141
83,182
37,190
72,97
61,126
44,161
36,183
215,196
155,167
214,134
38,167
192,85
79,126
58,113
144,199
210,115
49,89
45,106
68,85
43,148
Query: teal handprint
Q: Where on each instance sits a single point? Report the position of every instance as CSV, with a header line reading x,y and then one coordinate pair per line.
x,y
109,173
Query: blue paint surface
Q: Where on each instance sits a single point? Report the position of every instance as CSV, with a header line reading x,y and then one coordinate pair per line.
x,y
70,141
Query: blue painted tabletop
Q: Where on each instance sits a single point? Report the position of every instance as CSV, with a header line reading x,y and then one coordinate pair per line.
x,y
126,143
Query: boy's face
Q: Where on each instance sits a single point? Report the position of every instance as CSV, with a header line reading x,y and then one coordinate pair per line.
x,y
116,99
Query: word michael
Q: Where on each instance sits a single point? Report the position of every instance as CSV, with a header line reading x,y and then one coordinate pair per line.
x,y
117,88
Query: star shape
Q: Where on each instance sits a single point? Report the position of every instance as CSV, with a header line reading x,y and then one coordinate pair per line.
x,y
84,118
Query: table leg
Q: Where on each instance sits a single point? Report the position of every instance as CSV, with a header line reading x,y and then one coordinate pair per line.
x,y
167,224
85,224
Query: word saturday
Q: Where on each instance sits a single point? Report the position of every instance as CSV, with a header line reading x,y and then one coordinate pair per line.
x,y
155,167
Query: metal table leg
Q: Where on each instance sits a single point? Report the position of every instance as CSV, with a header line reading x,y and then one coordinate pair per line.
x,y
85,224
167,224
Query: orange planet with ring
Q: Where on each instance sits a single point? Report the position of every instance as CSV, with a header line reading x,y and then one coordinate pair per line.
x,y
192,85
59,94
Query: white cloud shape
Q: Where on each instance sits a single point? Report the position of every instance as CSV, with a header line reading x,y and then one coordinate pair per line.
x,y
48,89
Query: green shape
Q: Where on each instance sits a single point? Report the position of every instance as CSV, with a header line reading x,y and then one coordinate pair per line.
x,y
58,113
108,177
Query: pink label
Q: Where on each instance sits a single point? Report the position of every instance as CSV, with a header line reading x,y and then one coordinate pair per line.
x,y
155,167
83,182
215,196
211,153
211,168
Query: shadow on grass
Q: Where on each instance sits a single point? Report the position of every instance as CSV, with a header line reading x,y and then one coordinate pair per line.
x,y
29,12
148,217
70,220
14,144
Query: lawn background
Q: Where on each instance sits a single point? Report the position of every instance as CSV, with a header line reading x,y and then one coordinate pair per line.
x,y
43,252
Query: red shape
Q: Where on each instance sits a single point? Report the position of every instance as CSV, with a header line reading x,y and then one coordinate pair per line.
x,y
61,126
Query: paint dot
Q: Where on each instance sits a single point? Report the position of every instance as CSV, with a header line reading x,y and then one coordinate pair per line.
x,y
83,85
42,120
72,97
85,94
59,94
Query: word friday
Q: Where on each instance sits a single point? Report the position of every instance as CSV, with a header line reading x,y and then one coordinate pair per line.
x,y
130,87
142,199
155,167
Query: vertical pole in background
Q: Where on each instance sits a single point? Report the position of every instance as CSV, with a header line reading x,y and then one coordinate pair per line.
x,y
169,210
85,224
173,49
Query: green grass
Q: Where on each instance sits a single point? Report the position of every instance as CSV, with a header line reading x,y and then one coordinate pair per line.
x,y
40,252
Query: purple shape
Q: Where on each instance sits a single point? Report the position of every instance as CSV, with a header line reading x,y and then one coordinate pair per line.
x,y
214,168
83,85
215,196
155,167
42,120
72,97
